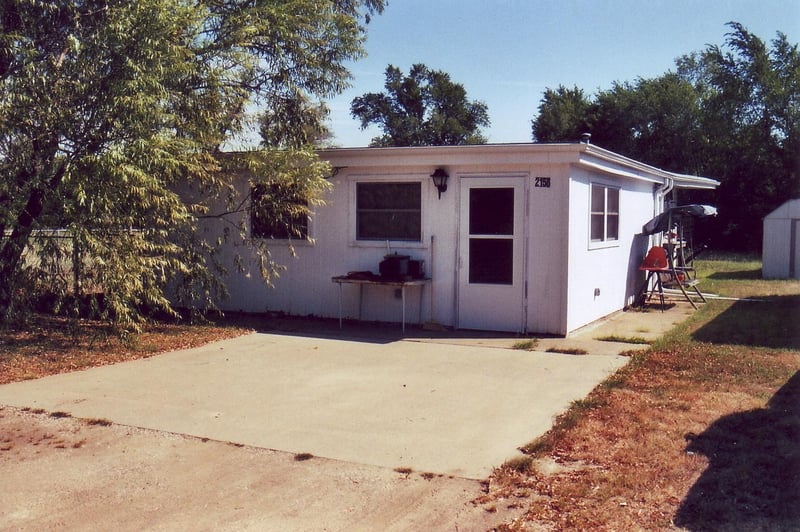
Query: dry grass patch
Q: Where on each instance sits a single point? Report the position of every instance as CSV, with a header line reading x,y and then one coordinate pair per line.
x,y
698,432
647,448
568,350
526,345
623,339
48,345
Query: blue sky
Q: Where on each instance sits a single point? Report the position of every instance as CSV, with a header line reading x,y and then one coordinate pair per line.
x,y
507,52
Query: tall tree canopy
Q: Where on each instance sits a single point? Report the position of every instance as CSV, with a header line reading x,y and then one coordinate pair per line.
x,y
107,107
730,112
563,115
749,128
425,108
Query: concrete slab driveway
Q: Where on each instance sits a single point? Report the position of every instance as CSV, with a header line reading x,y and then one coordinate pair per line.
x,y
451,409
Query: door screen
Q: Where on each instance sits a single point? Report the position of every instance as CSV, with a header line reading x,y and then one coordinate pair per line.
x,y
491,236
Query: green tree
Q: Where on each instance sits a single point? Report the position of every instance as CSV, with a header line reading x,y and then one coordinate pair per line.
x,y
653,120
563,115
650,120
297,122
730,112
425,108
109,108
750,128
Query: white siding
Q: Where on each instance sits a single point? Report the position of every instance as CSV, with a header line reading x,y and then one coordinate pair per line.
x,y
548,251
604,279
563,272
305,288
780,254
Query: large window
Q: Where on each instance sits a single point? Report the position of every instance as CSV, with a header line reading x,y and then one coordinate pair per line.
x,y
604,214
389,211
277,212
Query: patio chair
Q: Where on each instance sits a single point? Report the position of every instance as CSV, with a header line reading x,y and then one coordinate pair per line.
x,y
659,263
656,264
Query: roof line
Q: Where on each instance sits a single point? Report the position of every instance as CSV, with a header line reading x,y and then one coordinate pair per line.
x,y
584,153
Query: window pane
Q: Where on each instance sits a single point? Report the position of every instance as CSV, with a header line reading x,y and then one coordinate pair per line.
x,y
597,228
491,211
389,225
389,211
280,229
612,227
491,261
604,213
613,200
277,212
598,198
388,195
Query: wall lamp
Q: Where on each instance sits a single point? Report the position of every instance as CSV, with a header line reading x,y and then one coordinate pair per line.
x,y
439,177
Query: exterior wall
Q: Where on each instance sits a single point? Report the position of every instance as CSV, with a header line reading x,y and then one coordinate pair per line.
x,y
548,252
305,288
563,272
780,255
604,278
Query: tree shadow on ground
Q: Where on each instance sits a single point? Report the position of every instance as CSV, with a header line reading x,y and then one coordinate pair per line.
x,y
753,478
771,322
743,274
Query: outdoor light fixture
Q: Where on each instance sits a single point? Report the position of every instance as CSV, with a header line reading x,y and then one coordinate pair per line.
x,y
440,180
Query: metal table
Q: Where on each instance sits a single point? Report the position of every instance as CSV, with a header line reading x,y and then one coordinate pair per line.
x,y
402,285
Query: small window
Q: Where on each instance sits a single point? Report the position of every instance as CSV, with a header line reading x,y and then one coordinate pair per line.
x,y
389,211
604,213
277,212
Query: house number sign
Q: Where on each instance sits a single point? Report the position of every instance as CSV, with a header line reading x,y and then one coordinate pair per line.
x,y
542,182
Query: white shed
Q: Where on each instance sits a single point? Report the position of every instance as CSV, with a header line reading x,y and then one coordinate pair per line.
x,y
530,238
781,249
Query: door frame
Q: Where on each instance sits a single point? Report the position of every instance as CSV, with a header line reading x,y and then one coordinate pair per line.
x,y
521,182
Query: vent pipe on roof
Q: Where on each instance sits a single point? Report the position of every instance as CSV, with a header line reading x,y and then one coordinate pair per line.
x,y
585,138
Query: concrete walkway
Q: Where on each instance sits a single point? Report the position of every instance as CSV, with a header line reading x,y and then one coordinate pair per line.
x,y
456,406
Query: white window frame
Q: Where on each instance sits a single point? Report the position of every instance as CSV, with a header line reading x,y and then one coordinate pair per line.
x,y
386,179
605,241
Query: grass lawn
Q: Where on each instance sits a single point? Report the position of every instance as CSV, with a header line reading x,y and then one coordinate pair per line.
x,y
700,432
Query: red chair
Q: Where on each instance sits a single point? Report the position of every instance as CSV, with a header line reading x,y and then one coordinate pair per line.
x,y
656,264
656,259
662,270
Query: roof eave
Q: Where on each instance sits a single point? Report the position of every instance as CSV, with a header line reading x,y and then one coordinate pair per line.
x,y
581,154
694,182
639,170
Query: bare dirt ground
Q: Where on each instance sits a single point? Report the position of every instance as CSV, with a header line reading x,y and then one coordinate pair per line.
x,y
71,474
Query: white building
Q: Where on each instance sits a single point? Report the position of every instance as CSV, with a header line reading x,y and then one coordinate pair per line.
x,y
781,250
531,238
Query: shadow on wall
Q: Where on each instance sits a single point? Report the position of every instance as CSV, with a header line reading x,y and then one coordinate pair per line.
x,y
770,322
635,258
753,478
